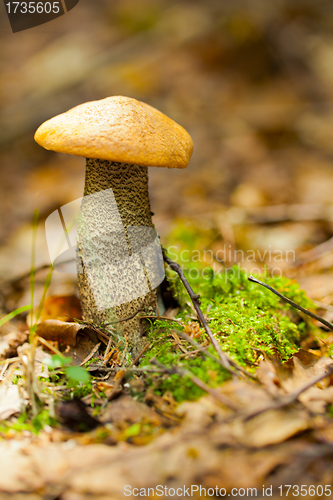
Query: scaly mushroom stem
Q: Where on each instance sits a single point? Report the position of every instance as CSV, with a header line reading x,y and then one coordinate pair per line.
x,y
103,236
117,249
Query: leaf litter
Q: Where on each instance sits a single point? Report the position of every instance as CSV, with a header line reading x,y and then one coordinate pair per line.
x,y
141,435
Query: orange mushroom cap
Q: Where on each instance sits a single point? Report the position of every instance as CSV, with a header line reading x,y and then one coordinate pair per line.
x,y
118,129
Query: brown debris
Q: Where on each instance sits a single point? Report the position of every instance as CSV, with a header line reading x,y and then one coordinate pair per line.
x,y
64,333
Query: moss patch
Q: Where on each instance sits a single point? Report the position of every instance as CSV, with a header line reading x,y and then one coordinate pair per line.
x,y
247,319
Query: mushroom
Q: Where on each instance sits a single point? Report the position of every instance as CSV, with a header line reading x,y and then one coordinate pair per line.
x,y
120,137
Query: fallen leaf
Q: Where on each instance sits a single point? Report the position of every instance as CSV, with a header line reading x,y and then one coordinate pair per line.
x,y
247,395
10,400
301,369
316,399
10,342
281,379
62,332
267,375
271,427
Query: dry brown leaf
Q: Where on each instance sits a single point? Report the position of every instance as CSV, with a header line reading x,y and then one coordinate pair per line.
x,y
294,374
249,396
173,459
10,342
200,414
298,371
317,399
267,375
271,427
10,400
64,333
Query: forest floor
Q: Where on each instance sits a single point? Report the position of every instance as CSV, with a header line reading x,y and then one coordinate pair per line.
x,y
252,83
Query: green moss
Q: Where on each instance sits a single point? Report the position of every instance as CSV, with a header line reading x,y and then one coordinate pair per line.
x,y
165,349
24,422
246,318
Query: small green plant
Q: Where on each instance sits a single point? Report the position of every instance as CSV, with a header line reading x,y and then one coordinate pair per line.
x,y
75,375
24,422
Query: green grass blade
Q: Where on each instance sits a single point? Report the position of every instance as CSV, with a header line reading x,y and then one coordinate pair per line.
x,y
33,268
13,314
45,289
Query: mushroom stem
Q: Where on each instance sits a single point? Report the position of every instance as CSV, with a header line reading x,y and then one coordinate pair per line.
x,y
103,236
129,184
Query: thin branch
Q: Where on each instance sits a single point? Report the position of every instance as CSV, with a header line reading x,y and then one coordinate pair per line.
x,y
162,317
100,333
292,303
102,338
50,346
293,397
315,253
124,319
199,383
205,352
14,281
90,355
43,267
107,359
3,371
143,369
10,360
196,303
108,347
139,356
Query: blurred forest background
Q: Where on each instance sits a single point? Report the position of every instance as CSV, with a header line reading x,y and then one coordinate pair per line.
x,y
252,82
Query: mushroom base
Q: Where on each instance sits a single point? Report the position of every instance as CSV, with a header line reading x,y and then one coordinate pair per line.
x,y
129,207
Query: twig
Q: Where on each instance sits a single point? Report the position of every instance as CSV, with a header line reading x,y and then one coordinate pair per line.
x,y
103,339
315,253
124,351
3,371
196,303
90,326
108,347
292,303
180,345
280,213
112,353
293,397
87,358
124,319
199,383
50,346
205,352
10,360
139,356
162,317
143,369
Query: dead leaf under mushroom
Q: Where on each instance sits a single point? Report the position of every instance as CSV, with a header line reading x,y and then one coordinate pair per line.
x,y
64,333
